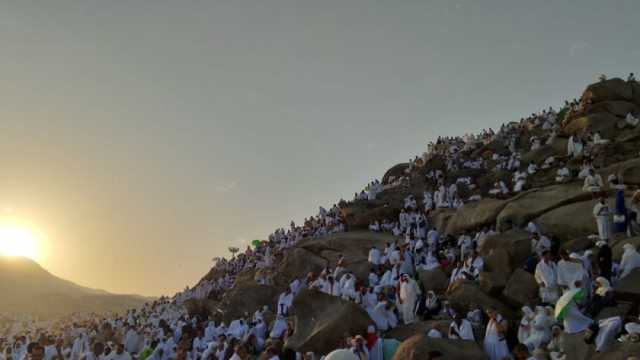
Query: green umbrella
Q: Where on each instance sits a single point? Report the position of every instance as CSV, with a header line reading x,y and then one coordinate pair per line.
x,y
256,243
565,301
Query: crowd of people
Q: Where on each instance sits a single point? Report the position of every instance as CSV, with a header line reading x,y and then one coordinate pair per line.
x,y
573,287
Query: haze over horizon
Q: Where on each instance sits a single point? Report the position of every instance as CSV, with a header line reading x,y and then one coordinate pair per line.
x,y
144,138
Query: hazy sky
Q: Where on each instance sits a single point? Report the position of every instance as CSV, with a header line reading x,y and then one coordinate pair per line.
x,y
145,137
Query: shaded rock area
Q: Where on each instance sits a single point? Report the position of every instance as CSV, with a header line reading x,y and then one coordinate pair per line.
x,y
474,215
521,288
569,222
629,287
418,346
435,280
321,321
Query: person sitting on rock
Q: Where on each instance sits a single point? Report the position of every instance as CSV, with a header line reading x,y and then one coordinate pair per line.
x,y
632,120
575,146
603,333
630,260
461,329
432,305
525,328
540,328
374,226
563,174
499,189
593,182
519,180
446,311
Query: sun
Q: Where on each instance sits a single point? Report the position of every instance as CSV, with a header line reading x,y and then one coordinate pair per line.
x,y
17,239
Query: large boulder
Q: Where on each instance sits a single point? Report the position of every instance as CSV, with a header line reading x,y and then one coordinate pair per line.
x,y
521,288
441,217
474,215
535,202
570,221
362,215
394,173
403,332
418,347
619,351
604,123
575,348
497,260
247,298
616,107
465,294
435,280
557,148
517,243
298,262
630,171
493,283
628,288
614,89
622,309
321,322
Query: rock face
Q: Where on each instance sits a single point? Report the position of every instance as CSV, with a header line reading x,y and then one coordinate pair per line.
x,y
536,202
247,298
474,215
361,215
521,288
354,245
604,123
614,89
298,262
465,294
395,172
321,322
619,351
516,243
403,332
571,221
492,283
418,346
435,280
630,171
629,287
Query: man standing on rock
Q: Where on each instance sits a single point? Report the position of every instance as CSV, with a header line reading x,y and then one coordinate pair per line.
x,y
408,297
547,278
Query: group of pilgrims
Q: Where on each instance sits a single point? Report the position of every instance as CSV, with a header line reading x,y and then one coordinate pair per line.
x,y
573,287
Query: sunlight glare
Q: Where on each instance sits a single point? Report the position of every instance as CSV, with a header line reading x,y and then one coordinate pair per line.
x,y
18,240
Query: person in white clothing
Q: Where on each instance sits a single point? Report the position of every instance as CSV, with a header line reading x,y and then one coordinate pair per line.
x,y
461,329
630,260
495,341
409,293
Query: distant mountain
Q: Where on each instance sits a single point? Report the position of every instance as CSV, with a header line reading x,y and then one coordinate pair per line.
x,y
26,287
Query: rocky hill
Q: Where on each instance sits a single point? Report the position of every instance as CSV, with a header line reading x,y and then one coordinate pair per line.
x,y
26,287
561,210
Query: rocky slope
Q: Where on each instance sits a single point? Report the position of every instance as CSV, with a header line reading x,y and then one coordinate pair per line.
x,y
563,210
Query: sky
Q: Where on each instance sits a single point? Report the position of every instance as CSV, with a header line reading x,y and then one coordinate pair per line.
x,y
142,138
